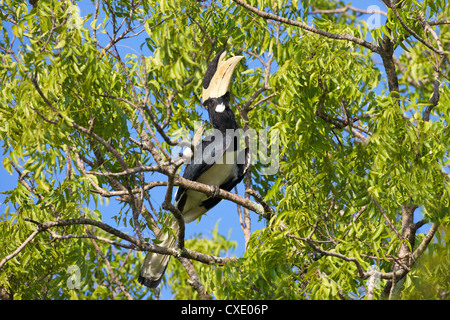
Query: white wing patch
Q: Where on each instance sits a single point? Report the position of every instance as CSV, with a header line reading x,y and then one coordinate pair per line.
x,y
220,107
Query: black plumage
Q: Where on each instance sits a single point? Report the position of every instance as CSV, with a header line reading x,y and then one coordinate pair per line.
x,y
217,161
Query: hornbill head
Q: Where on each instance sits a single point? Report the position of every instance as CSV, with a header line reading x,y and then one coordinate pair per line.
x,y
216,91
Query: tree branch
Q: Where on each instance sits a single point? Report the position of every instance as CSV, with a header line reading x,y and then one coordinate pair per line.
x,y
345,9
20,248
345,36
386,217
411,31
195,282
110,269
138,244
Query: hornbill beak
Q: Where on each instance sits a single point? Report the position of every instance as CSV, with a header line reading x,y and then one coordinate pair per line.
x,y
218,75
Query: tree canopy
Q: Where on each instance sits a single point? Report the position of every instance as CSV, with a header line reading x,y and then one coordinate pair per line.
x,y
351,104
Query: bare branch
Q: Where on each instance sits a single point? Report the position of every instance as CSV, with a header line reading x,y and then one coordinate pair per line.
x,y
167,205
344,36
386,217
261,101
316,248
108,266
436,23
195,279
267,209
411,31
345,9
139,245
103,142
425,241
20,248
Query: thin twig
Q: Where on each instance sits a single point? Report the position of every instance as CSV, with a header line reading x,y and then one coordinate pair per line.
x,y
411,31
344,36
109,267
20,248
386,217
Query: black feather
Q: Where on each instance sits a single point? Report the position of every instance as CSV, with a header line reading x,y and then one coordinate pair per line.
x,y
206,154
212,68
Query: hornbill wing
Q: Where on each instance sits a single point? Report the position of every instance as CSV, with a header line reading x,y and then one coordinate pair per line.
x,y
218,163
231,183
193,171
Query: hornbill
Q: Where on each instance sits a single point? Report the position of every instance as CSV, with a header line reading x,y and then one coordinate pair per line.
x,y
217,161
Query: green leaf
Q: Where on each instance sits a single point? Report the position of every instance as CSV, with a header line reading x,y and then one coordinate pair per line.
x,y
7,165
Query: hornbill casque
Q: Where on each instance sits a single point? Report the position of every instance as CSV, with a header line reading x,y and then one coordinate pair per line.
x,y
217,161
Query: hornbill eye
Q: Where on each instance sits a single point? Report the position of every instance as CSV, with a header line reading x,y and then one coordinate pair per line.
x,y
211,103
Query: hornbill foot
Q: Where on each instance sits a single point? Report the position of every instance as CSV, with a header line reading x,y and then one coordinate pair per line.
x,y
215,190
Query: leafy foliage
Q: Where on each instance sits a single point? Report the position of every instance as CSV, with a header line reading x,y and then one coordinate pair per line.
x,y
94,91
430,278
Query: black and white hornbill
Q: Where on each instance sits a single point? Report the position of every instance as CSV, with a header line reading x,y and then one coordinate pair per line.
x,y
217,161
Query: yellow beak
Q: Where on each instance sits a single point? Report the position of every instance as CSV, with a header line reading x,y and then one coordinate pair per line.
x,y
220,82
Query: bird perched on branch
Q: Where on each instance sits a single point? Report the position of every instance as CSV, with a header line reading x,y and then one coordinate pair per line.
x,y
217,161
